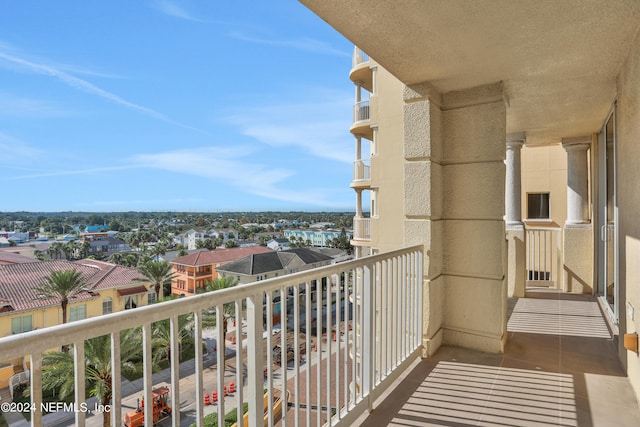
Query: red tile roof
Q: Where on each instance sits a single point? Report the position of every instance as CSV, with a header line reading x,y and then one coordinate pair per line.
x,y
13,258
18,281
219,255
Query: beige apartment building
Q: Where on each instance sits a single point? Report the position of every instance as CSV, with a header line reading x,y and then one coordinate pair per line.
x,y
503,136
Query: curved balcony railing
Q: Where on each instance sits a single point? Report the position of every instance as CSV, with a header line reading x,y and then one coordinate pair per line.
x,y
362,170
359,57
361,111
361,228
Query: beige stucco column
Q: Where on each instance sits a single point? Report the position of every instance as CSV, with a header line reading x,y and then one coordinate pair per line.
x,y
516,274
513,187
577,179
577,235
454,204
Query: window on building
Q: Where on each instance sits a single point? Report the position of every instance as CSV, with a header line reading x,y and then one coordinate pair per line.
x,y
130,301
21,324
538,206
151,297
107,305
77,312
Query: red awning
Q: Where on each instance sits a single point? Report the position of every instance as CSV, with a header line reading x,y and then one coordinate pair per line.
x,y
132,291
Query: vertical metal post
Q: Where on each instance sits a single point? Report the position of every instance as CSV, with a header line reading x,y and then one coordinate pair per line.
x,y
147,364
36,389
221,350
255,361
367,334
116,390
79,381
175,370
199,367
239,370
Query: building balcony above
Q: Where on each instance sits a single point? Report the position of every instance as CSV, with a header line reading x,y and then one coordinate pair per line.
x,y
361,174
361,229
362,120
360,70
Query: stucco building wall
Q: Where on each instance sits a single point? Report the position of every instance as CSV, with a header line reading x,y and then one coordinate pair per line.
x,y
628,200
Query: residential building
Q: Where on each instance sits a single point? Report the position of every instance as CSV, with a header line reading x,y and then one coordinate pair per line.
x,y
107,245
190,239
266,265
110,288
314,237
193,271
96,229
278,244
464,100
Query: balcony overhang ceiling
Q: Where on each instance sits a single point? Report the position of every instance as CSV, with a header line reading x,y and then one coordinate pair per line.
x,y
558,59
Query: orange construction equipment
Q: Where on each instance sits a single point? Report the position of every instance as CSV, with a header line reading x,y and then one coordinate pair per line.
x,y
232,387
225,391
334,336
206,399
161,409
214,397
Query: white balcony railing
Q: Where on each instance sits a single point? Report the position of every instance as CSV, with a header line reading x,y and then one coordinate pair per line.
x,y
359,57
361,111
362,170
370,307
361,228
543,255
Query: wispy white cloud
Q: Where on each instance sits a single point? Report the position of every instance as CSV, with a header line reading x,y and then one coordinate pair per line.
x,y
15,150
319,128
11,105
134,202
177,11
227,166
66,172
304,44
84,86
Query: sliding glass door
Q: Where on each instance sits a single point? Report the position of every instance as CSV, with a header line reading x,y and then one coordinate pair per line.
x,y
607,209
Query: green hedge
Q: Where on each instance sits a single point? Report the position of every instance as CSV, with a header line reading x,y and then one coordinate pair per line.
x,y
230,419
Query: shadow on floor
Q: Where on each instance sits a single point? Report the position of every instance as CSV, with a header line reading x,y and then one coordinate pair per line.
x,y
560,368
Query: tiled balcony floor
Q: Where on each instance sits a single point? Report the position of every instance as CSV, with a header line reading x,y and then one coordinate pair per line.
x,y
560,368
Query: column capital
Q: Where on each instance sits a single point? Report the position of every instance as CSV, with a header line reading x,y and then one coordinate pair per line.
x,y
515,141
579,143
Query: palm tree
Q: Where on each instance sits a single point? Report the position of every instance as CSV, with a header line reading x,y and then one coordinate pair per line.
x,y
161,338
57,373
158,272
55,251
62,286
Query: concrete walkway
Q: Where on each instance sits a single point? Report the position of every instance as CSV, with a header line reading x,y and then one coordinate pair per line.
x,y
560,368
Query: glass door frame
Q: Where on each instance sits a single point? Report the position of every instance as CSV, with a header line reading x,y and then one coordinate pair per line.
x,y
603,234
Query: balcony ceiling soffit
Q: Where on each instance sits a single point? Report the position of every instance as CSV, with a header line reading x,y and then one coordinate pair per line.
x,y
558,60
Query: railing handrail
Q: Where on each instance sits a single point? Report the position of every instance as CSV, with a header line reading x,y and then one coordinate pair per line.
x,y
42,340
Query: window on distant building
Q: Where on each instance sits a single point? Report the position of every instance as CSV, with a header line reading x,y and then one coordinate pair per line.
x,y
538,206
78,312
151,297
21,324
107,305
130,301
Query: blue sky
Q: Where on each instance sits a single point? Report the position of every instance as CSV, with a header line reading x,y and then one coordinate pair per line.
x,y
187,105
